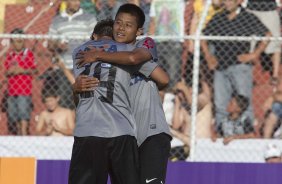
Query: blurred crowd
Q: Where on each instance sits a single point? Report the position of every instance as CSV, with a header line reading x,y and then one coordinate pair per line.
x,y
225,107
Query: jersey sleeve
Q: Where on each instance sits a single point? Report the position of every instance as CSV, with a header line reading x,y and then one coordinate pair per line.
x,y
149,44
147,68
76,71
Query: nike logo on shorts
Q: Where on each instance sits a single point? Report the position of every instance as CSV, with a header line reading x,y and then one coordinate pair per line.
x,y
150,180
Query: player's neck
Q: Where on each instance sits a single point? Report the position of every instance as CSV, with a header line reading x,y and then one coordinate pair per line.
x,y
133,42
104,38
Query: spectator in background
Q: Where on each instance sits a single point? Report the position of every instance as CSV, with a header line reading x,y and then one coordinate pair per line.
x,y
266,11
145,6
167,19
272,154
237,125
273,114
20,67
181,122
59,78
107,9
199,5
55,120
89,6
231,60
71,22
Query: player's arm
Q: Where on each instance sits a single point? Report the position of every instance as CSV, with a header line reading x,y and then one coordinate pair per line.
x,y
83,83
137,56
160,77
145,50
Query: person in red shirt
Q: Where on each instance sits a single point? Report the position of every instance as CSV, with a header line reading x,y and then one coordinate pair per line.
x,y
20,67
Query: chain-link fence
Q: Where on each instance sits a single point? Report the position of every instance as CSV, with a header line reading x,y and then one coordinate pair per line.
x,y
225,77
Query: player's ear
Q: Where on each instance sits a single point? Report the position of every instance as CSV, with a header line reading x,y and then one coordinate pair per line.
x,y
139,31
94,36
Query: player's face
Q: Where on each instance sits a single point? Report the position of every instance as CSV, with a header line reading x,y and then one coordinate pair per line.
x,y
126,29
51,103
73,5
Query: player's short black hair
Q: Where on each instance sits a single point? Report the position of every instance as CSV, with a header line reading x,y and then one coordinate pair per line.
x,y
17,31
133,10
242,101
103,28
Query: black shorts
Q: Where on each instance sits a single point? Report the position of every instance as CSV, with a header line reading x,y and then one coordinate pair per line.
x,y
93,158
153,158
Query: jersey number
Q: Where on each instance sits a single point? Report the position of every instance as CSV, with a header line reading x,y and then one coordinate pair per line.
x,y
109,84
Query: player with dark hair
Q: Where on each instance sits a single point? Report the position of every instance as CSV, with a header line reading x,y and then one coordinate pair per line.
x,y
153,134
105,128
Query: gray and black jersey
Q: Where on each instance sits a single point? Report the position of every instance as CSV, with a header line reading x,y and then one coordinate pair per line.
x,y
105,112
145,98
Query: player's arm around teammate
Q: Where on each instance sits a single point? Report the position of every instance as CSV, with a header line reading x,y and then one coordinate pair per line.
x,y
135,57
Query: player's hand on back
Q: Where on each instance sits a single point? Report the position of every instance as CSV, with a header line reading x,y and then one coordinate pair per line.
x,y
88,56
85,83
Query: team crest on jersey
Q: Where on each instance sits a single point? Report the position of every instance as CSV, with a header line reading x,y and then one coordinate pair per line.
x,y
135,79
149,43
106,65
153,126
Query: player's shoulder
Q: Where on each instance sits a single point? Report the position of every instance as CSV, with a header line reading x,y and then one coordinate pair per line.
x,y
146,38
147,42
83,45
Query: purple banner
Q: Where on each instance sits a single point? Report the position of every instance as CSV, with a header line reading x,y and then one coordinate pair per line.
x,y
56,172
52,171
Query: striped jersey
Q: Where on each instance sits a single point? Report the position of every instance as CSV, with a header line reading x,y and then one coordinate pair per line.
x,y
106,112
78,24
